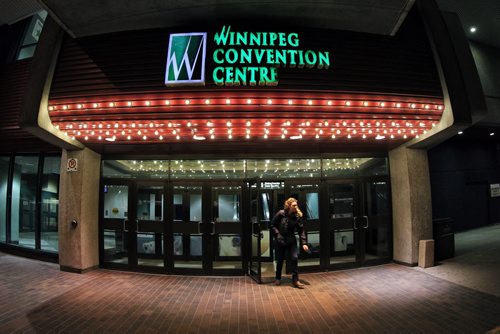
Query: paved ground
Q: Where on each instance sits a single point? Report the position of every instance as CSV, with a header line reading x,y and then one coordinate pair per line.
x,y
476,263
37,297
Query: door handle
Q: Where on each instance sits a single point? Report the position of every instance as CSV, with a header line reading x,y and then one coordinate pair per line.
x,y
213,228
125,221
199,226
256,231
137,225
366,217
354,223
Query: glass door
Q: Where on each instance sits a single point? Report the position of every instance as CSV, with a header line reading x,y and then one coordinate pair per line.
x,y
115,225
254,260
360,222
307,194
187,228
225,241
149,225
344,236
377,221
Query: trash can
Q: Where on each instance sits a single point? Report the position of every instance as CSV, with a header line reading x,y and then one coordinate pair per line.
x,y
444,238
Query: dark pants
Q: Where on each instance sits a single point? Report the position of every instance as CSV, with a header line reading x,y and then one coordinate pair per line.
x,y
280,251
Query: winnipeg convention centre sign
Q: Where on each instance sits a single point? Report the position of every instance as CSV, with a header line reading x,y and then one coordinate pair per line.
x,y
240,58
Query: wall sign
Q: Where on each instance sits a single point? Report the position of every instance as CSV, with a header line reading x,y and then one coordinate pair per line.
x,y
495,190
240,58
72,165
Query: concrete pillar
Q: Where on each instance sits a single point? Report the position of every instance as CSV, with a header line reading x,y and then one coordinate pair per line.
x,y
79,200
411,202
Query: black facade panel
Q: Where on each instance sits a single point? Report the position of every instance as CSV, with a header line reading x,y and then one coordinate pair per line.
x,y
461,174
134,62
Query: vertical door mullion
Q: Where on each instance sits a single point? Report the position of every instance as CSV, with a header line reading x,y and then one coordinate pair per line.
x,y
207,238
132,226
168,218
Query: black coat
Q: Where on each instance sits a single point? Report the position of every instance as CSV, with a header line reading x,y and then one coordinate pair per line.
x,y
283,228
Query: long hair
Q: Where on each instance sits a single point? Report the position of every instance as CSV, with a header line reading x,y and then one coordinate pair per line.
x,y
288,205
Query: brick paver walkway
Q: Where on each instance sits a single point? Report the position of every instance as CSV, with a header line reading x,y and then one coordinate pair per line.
x,y
37,297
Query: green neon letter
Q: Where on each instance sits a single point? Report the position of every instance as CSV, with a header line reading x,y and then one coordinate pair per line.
x,y
219,81
216,58
324,60
293,39
311,58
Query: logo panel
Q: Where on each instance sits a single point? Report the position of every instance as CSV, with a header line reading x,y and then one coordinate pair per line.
x,y
186,59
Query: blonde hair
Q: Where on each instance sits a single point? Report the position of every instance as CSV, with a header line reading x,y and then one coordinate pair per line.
x,y
288,205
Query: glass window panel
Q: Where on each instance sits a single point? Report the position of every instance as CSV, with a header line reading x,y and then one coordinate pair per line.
x,y
229,245
26,52
195,245
4,176
23,205
283,168
312,206
115,201
229,208
374,166
195,207
50,204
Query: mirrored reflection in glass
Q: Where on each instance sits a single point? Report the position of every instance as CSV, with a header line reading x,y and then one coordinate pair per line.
x,y
350,167
283,168
207,169
132,169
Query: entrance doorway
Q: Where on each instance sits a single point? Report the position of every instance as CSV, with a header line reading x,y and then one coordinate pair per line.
x,y
188,228
208,225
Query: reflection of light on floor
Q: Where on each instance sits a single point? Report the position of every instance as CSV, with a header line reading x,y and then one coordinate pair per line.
x,y
227,265
150,262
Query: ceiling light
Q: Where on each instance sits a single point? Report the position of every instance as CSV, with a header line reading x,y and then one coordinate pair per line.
x,y
473,29
492,134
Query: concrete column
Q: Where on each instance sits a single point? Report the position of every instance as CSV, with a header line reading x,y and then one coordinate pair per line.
x,y
411,202
79,200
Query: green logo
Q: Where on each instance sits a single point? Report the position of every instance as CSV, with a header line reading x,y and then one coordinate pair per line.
x,y
186,59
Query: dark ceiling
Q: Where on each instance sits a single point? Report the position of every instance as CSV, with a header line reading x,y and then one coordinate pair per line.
x,y
90,17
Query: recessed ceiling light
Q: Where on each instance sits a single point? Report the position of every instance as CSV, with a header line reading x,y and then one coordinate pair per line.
x,y
473,29
460,132
492,134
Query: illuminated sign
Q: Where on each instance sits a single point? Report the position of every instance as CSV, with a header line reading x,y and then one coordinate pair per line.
x,y
186,59
259,63
241,58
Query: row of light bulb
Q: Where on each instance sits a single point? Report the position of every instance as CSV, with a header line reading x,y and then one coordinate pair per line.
x,y
245,101
266,165
160,131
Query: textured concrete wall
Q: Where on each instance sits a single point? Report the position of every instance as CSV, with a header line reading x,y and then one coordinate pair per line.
x,y
411,202
79,200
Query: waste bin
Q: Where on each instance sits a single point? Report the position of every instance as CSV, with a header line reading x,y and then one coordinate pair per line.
x,y
444,238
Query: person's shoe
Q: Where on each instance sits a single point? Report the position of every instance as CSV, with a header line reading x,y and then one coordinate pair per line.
x,y
277,282
298,285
